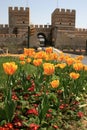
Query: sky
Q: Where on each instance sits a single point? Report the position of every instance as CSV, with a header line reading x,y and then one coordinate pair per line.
x,y
41,10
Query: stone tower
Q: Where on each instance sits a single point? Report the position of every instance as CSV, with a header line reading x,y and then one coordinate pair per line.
x,y
63,19
18,20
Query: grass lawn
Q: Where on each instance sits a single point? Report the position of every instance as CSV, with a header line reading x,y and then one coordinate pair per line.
x,y
29,68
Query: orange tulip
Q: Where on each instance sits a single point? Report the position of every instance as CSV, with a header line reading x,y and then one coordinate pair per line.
x,y
49,50
40,55
53,56
28,60
78,66
37,62
22,57
22,62
70,61
79,57
10,68
62,65
48,68
54,83
29,52
85,67
61,56
74,75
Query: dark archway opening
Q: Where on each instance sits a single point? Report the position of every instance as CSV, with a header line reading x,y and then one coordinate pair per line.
x,y
42,39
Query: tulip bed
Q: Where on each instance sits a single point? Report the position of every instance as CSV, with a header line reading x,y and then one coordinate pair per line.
x,y
43,91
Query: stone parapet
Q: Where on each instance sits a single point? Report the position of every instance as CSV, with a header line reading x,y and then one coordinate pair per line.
x,y
11,9
80,30
4,26
65,11
42,26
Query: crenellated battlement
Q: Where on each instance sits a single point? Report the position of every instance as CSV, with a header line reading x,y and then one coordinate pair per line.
x,y
66,11
16,9
3,26
40,26
80,30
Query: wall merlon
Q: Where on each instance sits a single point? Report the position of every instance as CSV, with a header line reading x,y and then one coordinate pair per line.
x,y
73,11
41,26
45,26
21,9
36,26
10,8
26,9
62,10
50,26
68,10
58,9
1,25
15,8
6,26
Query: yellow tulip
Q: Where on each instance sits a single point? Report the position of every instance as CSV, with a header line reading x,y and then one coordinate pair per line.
x,y
10,68
48,68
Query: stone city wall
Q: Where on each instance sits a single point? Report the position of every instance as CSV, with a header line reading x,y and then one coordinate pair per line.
x,y
70,40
